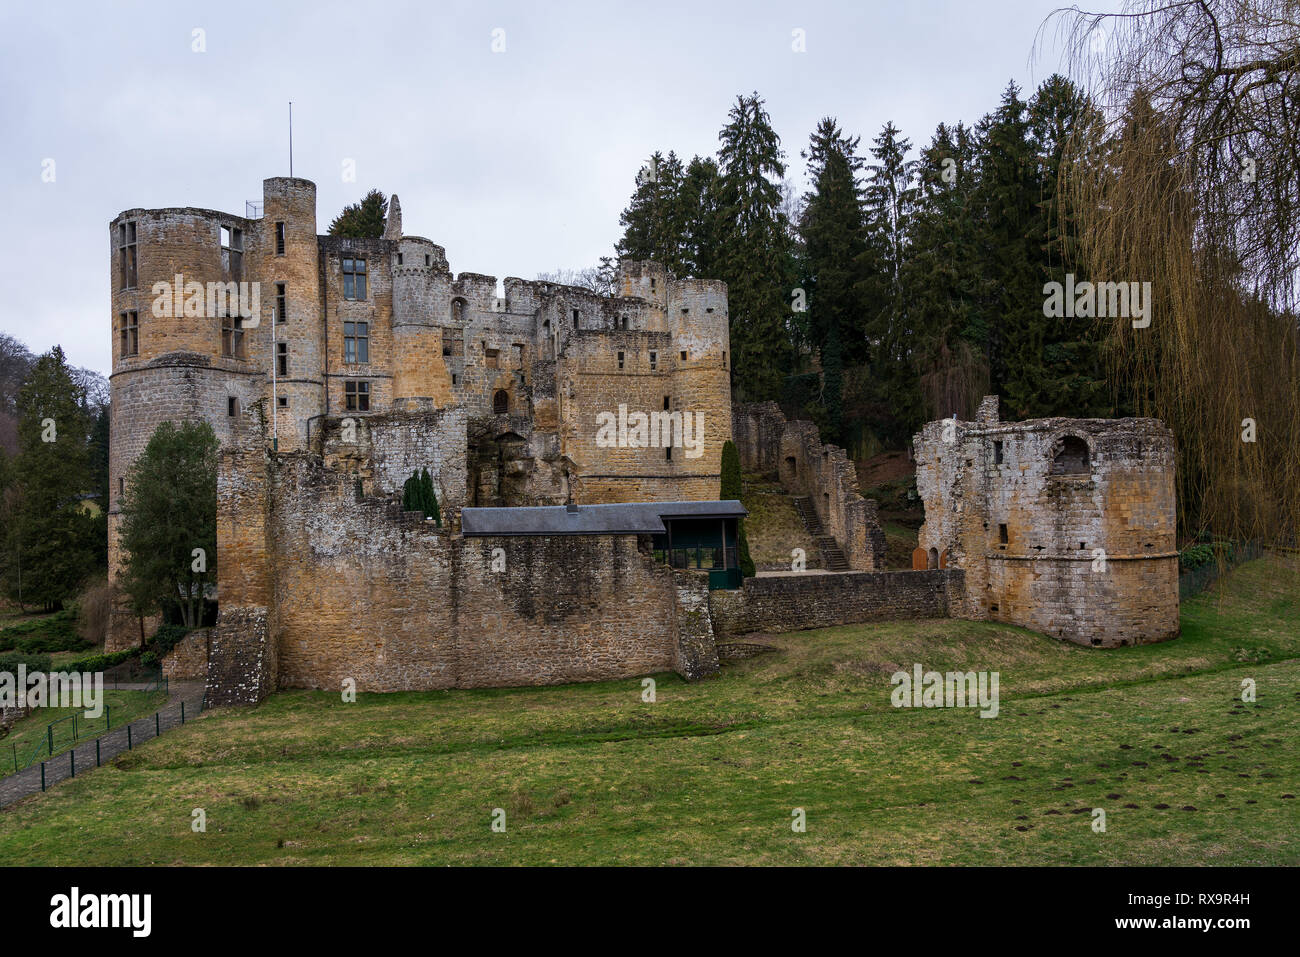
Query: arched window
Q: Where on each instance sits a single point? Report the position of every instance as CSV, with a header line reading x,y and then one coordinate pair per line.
x,y
500,402
458,310
1071,456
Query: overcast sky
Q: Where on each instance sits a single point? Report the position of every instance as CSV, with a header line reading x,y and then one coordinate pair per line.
x,y
517,162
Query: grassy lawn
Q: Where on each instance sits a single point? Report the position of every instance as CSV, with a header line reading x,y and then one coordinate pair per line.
x,y
1157,736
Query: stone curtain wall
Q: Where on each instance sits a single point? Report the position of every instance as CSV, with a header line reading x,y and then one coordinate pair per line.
x,y
793,452
1046,575
794,602
188,660
359,589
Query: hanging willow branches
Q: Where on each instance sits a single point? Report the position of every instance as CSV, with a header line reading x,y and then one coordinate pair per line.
x,y
1196,189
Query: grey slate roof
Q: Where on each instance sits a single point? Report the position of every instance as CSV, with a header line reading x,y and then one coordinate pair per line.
x,y
628,518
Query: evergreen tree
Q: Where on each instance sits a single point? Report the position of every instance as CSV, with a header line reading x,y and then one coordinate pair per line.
x,y
650,227
942,280
755,258
834,238
51,540
363,220
169,510
889,197
730,490
1010,245
1065,375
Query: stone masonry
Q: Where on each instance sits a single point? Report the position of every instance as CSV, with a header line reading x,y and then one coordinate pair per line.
x,y
1065,526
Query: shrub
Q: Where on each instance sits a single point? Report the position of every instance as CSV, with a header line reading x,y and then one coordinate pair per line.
x,y
94,605
55,632
10,662
100,662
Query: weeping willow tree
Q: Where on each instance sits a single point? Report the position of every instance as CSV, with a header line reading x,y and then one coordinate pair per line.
x,y
1196,189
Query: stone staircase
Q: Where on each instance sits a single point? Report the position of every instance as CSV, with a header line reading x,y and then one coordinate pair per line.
x,y
832,555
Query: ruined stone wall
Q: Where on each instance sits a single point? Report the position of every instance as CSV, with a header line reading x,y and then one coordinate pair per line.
x,y
334,586
779,603
188,660
1079,546
793,453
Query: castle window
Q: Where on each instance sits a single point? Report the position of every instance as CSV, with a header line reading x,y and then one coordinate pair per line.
x,y
232,406
399,259
354,279
232,337
932,558
121,486
575,318
683,355
356,395
620,360
426,259
625,322
458,310
284,401
666,402
126,242
232,251
1072,457
1003,537
356,342
455,379
282,358
281,302
279,239
500,402
724,360
130,333
654,361
668,453
997,452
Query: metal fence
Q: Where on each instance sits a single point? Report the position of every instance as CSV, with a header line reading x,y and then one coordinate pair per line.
x,y
93,752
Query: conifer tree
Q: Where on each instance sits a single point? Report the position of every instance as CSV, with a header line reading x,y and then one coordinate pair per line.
x,y
756,257
363,220
731,488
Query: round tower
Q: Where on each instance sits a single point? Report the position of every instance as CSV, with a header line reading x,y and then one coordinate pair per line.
x,y
421,293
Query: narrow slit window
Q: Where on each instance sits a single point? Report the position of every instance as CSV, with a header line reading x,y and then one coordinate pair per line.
x,y
281,302
279,239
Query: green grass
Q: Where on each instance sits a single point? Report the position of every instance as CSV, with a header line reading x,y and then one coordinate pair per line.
x,y
589,774
773,527
119,708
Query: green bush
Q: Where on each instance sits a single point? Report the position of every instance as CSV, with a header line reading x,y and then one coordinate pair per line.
x,y
10,661
57,632
1194,556
99,662
164,640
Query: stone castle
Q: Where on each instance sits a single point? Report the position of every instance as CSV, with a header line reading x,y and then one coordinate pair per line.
x,y
574,441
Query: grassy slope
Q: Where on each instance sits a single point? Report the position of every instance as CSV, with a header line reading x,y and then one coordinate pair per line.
x,y
710,773
119,708
773,527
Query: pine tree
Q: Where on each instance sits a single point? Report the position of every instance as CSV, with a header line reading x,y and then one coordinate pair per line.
x,y
1010,244
756,256
943,283
363,220
52,542
650,228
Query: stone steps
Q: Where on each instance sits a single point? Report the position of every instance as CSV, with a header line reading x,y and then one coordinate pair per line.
x,y
833,558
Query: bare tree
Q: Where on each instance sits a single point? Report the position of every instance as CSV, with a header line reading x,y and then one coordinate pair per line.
x,y
1197,190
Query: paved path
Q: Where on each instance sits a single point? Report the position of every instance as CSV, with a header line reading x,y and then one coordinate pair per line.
x,y
28,781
